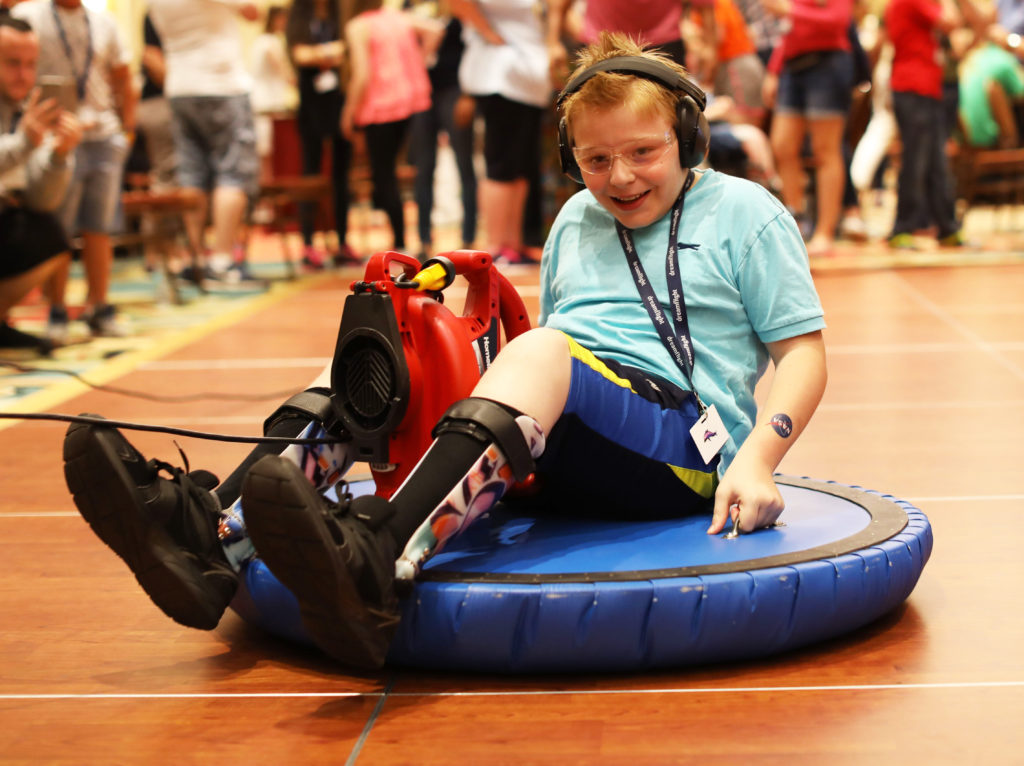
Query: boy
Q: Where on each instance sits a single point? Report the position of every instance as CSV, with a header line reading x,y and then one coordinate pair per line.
x,y
594,391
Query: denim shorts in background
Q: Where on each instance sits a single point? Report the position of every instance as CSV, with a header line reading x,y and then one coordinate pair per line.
x,y
91,201
215,139
816,85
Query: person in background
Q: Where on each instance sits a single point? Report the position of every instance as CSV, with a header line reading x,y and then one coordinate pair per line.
x,y
505,68
313,34
809,84
37,143
154,112
991,85
273,79
85,46
657,23
388,51
737,71
154,126
451,112
924,194
207,87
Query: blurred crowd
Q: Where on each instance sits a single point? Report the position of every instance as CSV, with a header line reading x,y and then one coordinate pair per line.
x,y
820,101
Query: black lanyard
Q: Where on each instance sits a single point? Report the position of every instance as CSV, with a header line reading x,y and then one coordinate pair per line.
x,y
80,79
676,339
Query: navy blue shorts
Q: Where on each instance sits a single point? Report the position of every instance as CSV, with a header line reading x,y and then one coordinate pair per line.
x,y
622,446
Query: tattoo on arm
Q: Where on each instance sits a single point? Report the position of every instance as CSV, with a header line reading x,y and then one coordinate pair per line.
x,y
782,424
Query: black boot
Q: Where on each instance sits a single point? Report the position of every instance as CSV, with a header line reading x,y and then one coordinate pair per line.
x,y
340,565
165,529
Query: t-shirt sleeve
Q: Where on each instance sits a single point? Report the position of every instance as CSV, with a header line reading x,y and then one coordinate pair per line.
x,y
776,285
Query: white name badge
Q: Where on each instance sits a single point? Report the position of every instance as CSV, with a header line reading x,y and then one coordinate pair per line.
x,y
709,434
326,81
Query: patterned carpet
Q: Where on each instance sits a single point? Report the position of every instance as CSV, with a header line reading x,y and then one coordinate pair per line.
x,y
156,327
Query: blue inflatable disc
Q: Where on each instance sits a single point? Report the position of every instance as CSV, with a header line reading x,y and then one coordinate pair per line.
x,y
518,593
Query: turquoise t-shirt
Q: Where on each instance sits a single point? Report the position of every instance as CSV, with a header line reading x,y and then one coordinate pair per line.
x,y
982,65
746,281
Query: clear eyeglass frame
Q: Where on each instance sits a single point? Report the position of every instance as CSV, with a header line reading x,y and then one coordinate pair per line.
x,y
643,152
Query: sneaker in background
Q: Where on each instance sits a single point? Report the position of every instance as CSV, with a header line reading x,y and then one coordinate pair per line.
x,y
346,256
902,242
239,275
853,228
312,258
103,322
956,239
57,325
217,265
508,256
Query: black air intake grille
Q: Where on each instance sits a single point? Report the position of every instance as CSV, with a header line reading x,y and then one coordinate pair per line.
x,y
369,380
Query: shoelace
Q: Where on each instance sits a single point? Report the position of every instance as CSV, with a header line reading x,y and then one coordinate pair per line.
x,y
189,517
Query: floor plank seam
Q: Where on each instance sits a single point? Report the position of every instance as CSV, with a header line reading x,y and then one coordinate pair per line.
x,y
364,735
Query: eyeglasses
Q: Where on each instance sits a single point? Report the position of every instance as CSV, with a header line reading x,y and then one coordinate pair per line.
x,y
597,160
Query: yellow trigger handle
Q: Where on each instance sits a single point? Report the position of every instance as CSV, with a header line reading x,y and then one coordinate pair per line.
x,y
436,274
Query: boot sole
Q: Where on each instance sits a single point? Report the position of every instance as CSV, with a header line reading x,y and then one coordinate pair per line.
x,y
106,497
284,519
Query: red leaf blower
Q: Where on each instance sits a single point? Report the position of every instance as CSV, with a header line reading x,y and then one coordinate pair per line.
x,y
402,357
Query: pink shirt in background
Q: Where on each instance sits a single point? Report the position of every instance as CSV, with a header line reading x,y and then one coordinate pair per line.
x,y
815,25
399,86
653,21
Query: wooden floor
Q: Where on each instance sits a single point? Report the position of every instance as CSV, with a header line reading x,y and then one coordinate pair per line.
x,y
925,401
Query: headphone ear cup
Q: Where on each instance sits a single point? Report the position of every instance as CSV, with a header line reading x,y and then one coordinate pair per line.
x,y
694,134
566,158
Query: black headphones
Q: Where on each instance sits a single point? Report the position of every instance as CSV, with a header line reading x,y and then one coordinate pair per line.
x,y
691,125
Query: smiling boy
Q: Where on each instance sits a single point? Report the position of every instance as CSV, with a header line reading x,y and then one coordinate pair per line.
x,y
664,294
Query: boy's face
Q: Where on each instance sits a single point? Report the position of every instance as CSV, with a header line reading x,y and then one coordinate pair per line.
x,y
636,196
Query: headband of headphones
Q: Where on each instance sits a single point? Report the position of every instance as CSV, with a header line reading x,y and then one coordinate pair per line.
x,y
638,66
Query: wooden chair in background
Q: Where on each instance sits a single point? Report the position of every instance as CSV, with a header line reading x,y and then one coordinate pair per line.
x,y
165,230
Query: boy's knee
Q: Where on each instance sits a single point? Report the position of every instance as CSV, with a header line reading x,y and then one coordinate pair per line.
x,y
540,343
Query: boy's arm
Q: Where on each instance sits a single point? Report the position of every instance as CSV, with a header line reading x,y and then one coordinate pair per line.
x,y
796,389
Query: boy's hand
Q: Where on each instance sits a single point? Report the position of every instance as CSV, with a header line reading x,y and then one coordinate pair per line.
x,y
748,489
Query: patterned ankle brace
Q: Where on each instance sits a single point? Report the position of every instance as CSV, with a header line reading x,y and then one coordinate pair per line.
x,y
323,465
476,493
